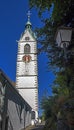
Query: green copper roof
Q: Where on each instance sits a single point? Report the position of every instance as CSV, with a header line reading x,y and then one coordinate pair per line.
x,y
28,27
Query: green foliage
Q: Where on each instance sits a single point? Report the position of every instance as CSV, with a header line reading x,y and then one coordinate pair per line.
x,y
46,34
63,85
45,104
61,8
50,122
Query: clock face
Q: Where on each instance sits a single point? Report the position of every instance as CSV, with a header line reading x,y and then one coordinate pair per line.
x,y
26,58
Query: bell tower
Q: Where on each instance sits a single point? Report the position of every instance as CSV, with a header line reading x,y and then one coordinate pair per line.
x,y
26,69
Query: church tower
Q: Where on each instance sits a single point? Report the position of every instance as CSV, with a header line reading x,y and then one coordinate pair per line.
x,y
26,71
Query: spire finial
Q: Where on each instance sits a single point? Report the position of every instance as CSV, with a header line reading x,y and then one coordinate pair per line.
x,y
28,24
29,14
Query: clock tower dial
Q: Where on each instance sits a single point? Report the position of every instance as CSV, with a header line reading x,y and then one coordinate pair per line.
x,y
26,73
26,58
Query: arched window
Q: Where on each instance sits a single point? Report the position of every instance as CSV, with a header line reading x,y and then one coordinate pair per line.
x,y
27,48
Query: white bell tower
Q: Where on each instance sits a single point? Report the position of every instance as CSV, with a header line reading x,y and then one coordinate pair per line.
x,y
26,70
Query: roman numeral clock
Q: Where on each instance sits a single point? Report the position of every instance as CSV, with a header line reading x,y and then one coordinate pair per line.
x,y
26,69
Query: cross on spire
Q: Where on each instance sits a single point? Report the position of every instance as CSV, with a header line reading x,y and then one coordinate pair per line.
x,y
29,14
28,24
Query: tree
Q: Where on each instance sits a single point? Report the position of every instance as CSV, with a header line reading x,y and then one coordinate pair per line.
x,y
61,14
63,88
49,113
62,11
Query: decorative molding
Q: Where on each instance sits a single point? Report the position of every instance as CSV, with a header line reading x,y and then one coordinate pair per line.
x,y
28,53
22,60
26,75
22,41
27,88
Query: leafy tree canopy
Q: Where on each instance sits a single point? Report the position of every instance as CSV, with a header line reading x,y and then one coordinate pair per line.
x,y
62,11
61,14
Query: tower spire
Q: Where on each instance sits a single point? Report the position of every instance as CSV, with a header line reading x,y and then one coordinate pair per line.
x,y
28,24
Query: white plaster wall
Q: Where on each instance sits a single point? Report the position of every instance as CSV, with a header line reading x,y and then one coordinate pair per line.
x,y
27,68
27,82
30,96
28,118
13,115
16,109
26,76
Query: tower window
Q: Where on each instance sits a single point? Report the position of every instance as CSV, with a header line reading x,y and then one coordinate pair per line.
x,y
27,48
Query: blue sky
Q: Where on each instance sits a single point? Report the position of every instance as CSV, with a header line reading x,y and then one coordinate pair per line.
x,y
12,23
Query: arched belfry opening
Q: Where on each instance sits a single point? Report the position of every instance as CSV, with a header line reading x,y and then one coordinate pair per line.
x,y
27,48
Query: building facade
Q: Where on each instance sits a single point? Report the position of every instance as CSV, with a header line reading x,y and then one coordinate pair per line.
x,y
15,112
26,70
